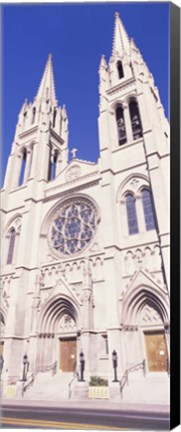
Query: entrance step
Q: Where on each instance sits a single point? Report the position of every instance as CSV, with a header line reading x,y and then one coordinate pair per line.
x,y
154,388
47,387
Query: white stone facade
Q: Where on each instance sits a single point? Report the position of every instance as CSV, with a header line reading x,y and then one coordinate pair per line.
x,y
83,259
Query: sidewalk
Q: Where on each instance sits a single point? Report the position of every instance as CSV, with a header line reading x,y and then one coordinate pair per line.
x,y
89,404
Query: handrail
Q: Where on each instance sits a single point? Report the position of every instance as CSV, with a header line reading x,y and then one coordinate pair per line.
x,y
26,384
31,378
75,375
48,368
124,378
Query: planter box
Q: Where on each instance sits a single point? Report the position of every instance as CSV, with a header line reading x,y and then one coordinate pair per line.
x,y
10,391
98,392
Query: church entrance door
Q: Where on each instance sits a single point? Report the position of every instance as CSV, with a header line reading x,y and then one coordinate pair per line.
x,y
156,351
68,353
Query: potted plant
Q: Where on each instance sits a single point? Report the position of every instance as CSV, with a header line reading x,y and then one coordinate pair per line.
x,y
98,388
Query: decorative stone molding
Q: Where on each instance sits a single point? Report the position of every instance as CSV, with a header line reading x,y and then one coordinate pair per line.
x,y
147,257
67,323
130,328
73,173
150,316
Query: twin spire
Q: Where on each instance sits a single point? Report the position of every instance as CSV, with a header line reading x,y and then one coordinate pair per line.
x,y
46,89
121,45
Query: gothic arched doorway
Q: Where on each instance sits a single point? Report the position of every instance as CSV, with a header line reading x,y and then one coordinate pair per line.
x,y
145,318
57,335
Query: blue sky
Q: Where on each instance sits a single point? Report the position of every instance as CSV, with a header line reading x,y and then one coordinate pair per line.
x,y
76,35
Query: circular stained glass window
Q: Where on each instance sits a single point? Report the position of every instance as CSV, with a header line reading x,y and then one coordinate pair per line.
x,y
73,226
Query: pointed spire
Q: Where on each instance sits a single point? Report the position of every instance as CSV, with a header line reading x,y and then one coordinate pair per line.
x,y
46,89
120,38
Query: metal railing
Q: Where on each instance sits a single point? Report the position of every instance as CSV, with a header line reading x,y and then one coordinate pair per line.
x,y
75,375
28,383
52,367
31,378
124,379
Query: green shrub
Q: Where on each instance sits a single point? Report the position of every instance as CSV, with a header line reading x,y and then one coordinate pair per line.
x,y
98,381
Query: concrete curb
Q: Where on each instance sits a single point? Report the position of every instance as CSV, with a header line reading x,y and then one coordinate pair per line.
x,y
90,404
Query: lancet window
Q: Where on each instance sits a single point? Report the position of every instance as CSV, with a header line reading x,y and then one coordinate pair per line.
x,y
131,214
135,119
23,166
120,69
121,125
148,209
12,237
33,115
53,164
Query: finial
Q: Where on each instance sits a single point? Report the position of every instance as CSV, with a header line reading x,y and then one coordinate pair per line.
x,y
74,151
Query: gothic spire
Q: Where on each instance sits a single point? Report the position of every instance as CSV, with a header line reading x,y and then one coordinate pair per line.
x,y
46,89
120,38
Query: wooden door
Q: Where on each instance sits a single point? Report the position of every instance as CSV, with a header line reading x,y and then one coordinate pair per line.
x,y
68,352
156,350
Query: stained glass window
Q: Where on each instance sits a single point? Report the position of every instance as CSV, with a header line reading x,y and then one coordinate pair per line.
x,y
73,227
148,209
131,214
12,236
23,166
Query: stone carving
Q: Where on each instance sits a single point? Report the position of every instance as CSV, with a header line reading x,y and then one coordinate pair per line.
x,y
73,173
151,316
67,322
147,258
45,294
128,327
134,183
77,289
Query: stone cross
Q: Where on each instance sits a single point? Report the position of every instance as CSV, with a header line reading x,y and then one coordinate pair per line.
x,y
74,151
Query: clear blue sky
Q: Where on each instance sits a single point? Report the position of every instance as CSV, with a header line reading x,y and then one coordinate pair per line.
x,y
76,35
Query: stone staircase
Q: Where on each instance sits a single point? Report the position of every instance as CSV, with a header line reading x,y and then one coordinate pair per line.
x,y
153,388
48,387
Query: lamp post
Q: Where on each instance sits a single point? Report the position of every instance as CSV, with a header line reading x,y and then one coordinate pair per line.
x,y
115,364
82,365
1,365
25,367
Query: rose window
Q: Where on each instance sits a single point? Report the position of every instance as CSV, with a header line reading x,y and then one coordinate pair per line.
x,y
73,227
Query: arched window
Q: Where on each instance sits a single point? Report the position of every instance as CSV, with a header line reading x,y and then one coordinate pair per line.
x,y
131,214
120,69
120,125
148,209
30,161
23,165
54,117
135,119
53,165
33,115
12,237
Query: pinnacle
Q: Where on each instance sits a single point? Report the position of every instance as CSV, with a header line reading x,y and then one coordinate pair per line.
x,y
103,61
46,89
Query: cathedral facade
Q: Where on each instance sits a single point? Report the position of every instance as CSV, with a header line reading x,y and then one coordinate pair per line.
x,y
86,245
